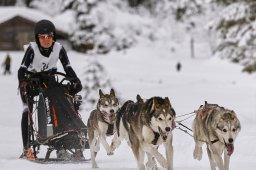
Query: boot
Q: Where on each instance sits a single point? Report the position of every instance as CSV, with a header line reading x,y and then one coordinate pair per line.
x,y
28,154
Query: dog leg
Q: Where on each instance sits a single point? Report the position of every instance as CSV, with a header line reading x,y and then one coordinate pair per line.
x,y
95,145
198,152
219,162
212,163
138,153
94,148
105,144
216,156
226,160
153,151
140,159
93,155
151,164
116,141
169,154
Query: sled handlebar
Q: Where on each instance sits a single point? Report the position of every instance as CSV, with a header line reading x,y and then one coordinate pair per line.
x,y
37,77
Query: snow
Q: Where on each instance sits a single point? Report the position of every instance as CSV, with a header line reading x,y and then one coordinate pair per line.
x,y
147,69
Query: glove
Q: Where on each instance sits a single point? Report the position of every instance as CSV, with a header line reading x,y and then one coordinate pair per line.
x,y
77,86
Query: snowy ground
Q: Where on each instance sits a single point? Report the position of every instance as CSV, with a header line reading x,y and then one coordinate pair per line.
x,y
149,71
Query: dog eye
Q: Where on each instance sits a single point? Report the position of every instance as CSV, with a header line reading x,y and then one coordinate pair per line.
x,y
160,118
234,130
170,118
224,130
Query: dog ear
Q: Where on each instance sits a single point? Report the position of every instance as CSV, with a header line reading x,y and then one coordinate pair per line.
x,y
155,104
139,99
238,125
167,102
100,93
112,92
233,114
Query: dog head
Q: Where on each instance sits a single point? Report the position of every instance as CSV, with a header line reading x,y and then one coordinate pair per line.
x,y
108,105
227,128
161,116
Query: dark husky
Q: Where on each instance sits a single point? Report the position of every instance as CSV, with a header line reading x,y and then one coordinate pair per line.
x,y
101,124
218,128
146,125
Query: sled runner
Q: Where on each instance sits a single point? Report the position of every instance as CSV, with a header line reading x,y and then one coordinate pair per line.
x,y
58,161
54,120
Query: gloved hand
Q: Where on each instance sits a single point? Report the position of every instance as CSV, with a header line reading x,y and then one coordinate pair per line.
x,y
77,85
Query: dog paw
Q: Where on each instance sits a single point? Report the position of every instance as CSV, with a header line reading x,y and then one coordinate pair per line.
x,y
163,163
151,165
112,148
198,153
110,153
95,166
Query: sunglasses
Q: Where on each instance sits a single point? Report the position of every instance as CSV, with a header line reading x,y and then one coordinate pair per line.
x,y
45,36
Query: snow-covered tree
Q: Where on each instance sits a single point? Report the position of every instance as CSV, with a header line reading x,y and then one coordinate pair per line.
x,y
51,7
97,27
235,34
95,78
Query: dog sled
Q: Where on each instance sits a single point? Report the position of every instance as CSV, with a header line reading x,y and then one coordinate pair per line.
x,y
54,120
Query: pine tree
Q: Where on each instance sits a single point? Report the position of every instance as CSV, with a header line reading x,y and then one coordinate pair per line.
x,y
96,31
95,78
50,7
235,34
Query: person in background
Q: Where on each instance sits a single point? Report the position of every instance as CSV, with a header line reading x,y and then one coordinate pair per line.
x,y
7,64
178,66
41,56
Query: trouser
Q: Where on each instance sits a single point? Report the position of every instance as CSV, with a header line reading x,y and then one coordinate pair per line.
x,y
7,69
27,110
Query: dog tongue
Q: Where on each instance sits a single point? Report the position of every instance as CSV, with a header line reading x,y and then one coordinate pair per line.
x,y
230,149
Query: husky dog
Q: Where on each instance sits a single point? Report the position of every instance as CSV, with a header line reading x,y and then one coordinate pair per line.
x,y
122,122
218,128
146,125
101,124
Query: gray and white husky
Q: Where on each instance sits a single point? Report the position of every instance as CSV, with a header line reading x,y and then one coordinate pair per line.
x,y
101,124
146,125
218,128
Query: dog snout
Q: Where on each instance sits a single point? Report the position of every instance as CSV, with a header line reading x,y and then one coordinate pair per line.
x,y
230,140
167,129
112,111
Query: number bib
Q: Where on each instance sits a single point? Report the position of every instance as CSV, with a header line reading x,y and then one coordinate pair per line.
x,y
41,63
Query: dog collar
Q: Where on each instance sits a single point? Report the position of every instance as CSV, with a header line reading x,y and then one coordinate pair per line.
x,y
214,141
110,130
156,137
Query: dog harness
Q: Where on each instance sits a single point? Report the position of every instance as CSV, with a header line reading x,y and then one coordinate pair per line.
x,y
156,137
214,141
